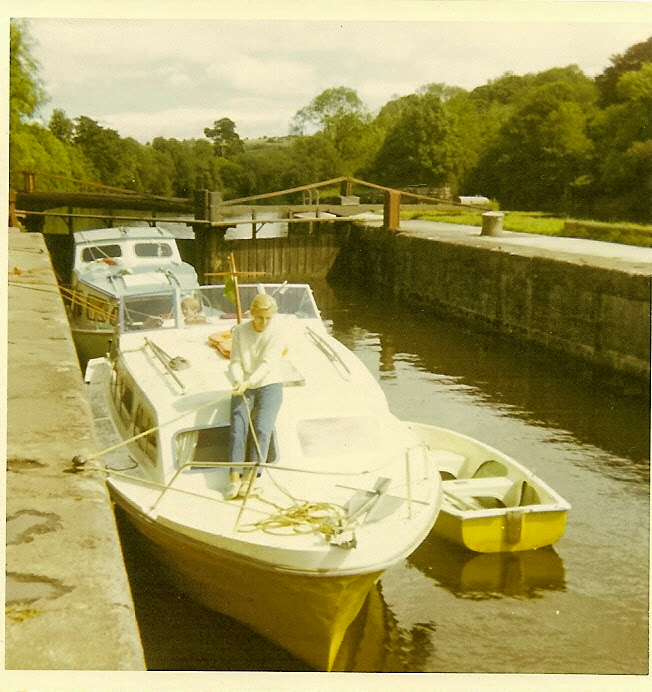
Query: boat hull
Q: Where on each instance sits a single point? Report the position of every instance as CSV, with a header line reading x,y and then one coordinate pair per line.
x,y
494,534
90,343
307,614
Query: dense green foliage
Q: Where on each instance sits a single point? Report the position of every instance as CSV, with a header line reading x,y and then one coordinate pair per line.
x,y
557,142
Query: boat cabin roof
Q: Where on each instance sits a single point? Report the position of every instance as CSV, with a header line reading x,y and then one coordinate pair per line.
x,y
127,260
170,357
120,233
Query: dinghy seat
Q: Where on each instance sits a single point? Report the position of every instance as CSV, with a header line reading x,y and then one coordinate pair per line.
x,y
521,494
478,493
448,463
493,492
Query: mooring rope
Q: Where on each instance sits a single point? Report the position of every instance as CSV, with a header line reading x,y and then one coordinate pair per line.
x,y
149,431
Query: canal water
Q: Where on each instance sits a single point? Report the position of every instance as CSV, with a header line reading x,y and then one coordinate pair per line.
x,y
578,608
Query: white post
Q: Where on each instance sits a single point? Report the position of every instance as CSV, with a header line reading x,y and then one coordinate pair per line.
x,y
492,223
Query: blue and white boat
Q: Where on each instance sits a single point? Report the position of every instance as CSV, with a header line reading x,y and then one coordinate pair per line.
x,y
111,263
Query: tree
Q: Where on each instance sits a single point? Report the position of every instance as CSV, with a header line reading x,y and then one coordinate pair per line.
x,y
623,148
26,93
226,140
61,126
339,115
415,150
630,61
115,159
326,109
542,147
389,114
33,147
154,171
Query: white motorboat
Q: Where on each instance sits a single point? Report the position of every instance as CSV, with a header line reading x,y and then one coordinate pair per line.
x,y
109,263
348,491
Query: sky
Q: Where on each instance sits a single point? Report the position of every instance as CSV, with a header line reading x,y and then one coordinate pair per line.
x,y
149,73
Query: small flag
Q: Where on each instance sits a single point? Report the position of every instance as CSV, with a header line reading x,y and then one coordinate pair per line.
x,y
229,290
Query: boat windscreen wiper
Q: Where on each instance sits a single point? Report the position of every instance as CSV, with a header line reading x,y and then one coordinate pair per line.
x,y
330,353
171,363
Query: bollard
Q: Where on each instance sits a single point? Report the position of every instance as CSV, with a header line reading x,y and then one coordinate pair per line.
x,y
492,223
13,219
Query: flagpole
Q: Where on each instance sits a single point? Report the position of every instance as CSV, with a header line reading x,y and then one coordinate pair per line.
x,y
238,306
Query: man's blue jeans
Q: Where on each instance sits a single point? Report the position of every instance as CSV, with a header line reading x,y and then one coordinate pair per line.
x,y
264,404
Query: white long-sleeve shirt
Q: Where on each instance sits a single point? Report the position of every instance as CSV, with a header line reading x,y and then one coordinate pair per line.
x,y
256,356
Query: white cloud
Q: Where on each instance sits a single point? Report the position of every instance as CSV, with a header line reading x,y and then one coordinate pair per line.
x,y
189,123
246,73
172,78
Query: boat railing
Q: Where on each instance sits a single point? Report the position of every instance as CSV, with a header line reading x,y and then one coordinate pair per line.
x,y
195,464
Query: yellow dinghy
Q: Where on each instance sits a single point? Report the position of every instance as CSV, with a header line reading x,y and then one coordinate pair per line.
x,y
491,503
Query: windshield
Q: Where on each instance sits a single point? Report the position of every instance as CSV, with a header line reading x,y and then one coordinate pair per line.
x,y
95,252
292,299
210,305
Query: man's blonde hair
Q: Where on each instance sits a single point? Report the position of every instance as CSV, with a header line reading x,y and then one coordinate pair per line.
x,y
263,301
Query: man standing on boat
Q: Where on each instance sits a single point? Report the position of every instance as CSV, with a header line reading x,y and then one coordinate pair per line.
x,y
256,352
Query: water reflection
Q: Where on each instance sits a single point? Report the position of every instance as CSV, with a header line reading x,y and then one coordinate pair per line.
x,y
484,576
376,643
512,374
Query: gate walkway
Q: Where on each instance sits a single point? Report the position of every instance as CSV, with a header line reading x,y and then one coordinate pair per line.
x,y
580,250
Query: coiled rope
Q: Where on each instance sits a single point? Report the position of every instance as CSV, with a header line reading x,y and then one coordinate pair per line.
x,y
302,517
306,517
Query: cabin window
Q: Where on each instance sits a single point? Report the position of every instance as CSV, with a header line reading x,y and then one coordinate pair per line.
x,y
321,437
126,401
89,254
203,445
142,422
153,250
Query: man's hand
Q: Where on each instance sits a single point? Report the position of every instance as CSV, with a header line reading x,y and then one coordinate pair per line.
x,y
239,388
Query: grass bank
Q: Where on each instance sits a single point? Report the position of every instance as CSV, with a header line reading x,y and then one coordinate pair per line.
x,y
543,224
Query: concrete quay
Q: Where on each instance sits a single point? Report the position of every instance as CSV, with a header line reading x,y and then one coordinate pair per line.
x,y
67,600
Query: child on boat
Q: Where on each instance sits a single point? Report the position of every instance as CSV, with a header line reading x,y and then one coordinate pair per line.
x,y
190,308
